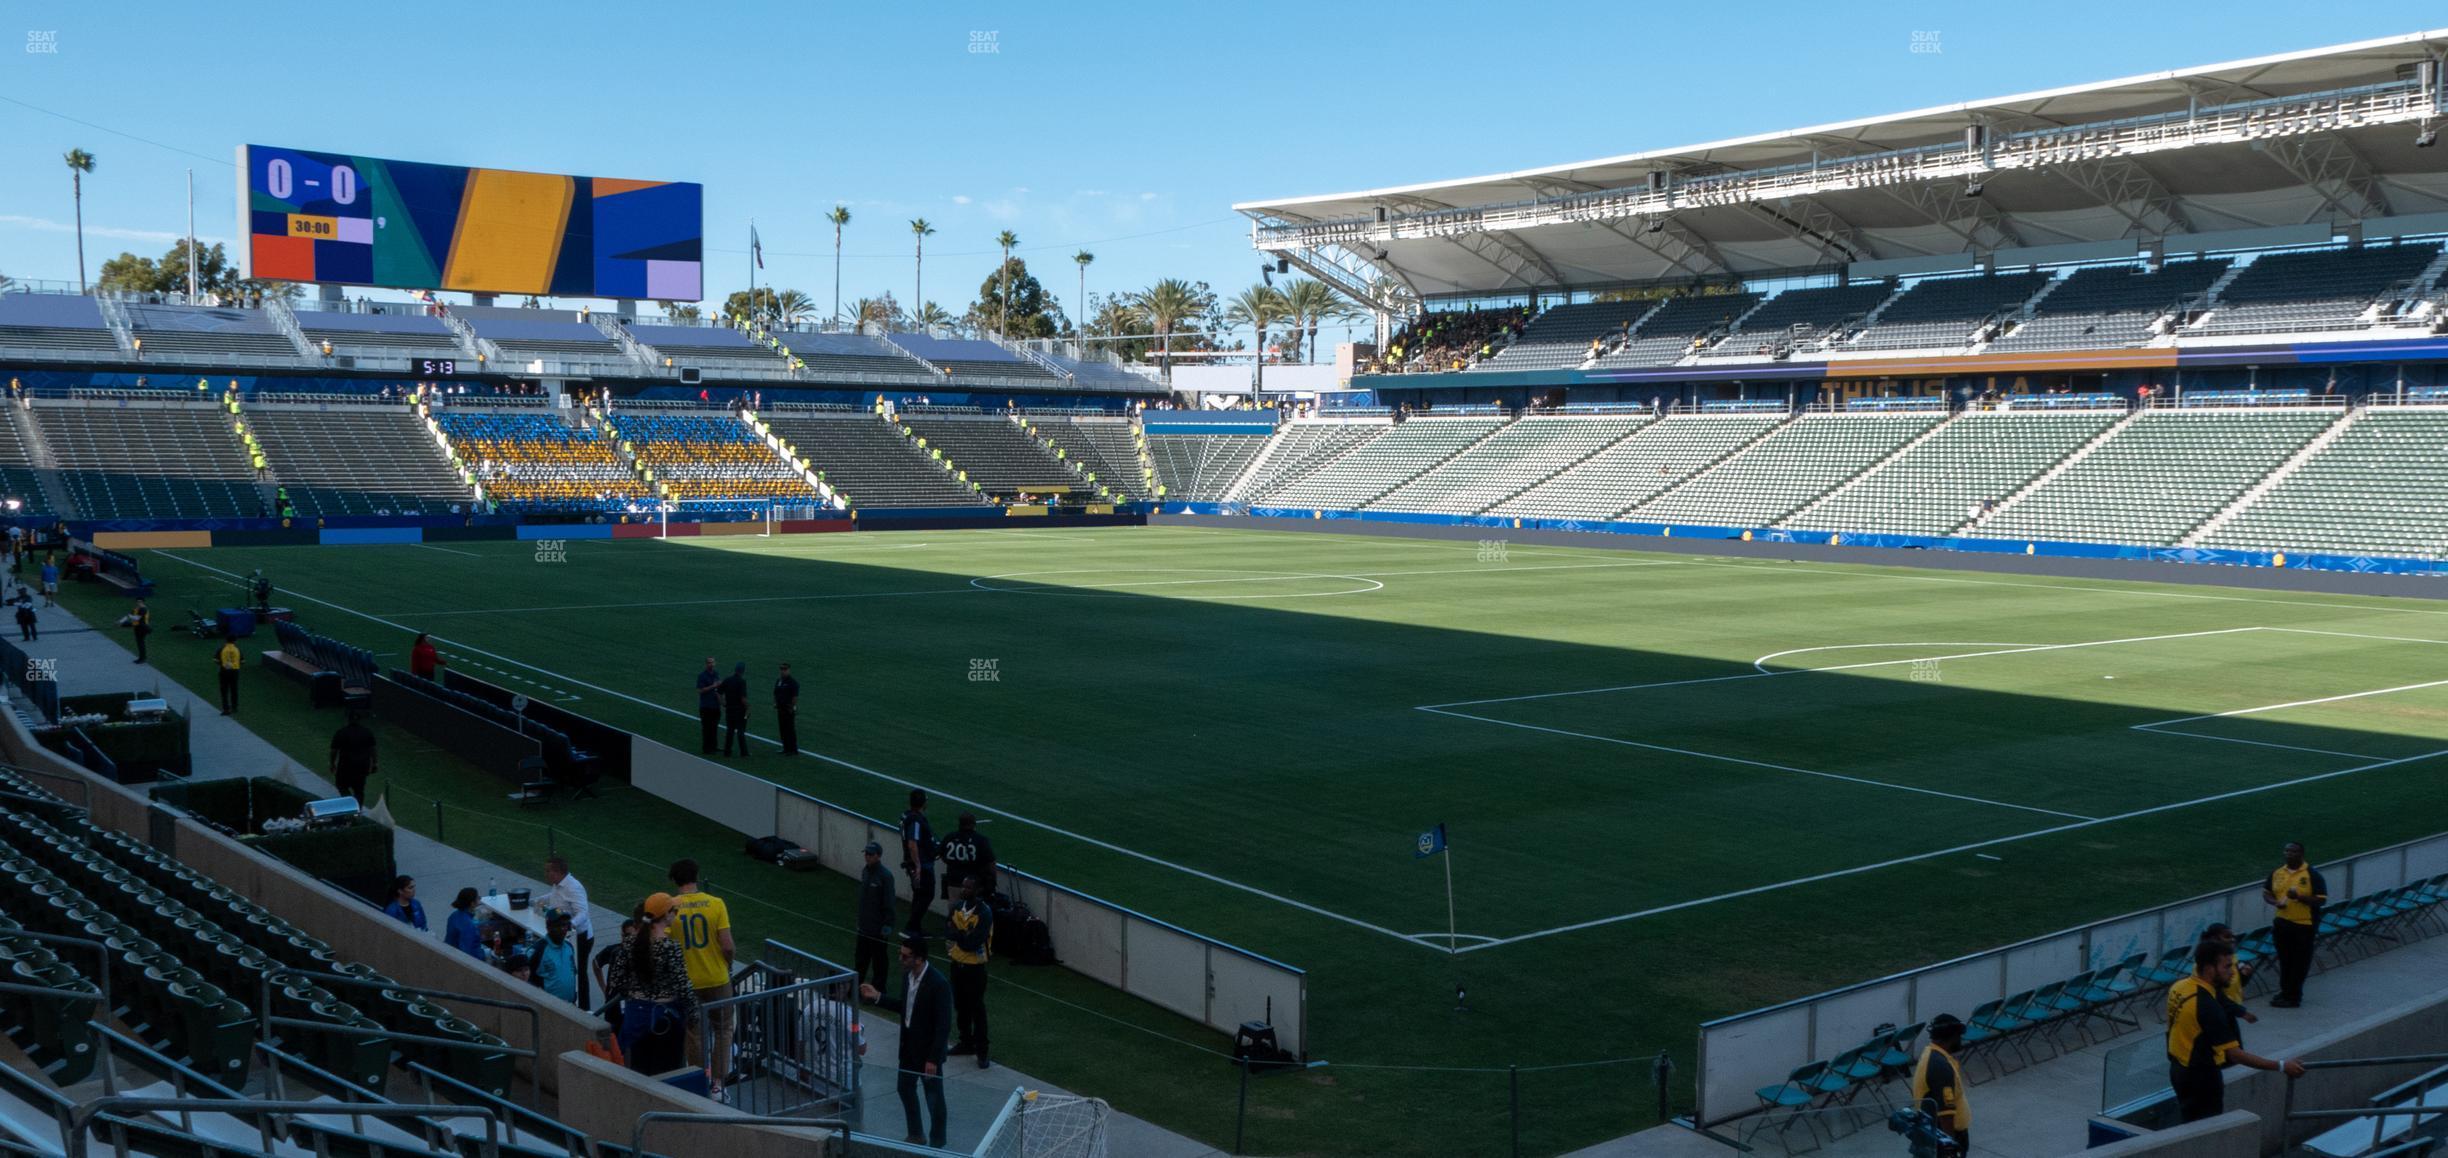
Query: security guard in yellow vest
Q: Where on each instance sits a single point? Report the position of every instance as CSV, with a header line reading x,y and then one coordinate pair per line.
x,y
2297,891
2202,1039
1938,1086
227,661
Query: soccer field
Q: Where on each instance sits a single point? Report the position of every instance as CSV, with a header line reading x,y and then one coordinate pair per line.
x,y
1675,786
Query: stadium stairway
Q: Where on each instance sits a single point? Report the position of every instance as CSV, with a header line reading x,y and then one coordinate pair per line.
x,y
1856,478
1651,460
2285,469
1298,450
2069,462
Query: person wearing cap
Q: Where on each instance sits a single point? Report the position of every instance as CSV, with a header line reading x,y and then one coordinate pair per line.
x,y
968,856
556,961
651,981
2297,891
926,1028
875,917
1938,1086
2202,1038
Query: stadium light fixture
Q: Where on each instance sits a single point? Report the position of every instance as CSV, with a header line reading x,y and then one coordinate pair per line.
x,y
1973,188
2426,138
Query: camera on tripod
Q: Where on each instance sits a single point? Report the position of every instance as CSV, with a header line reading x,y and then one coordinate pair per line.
x,y
1923,1136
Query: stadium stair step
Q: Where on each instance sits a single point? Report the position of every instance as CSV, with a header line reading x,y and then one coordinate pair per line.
x,y
1856,480
2270,482
285,320
1971,526
645,357
115,315
1695,476
1594,452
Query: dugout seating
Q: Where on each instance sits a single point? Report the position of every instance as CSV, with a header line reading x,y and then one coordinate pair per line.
x,y
177,460
709,456
307,656
1679,327
2165,473
120,571
1652,459
994,452
2328,289
1200,467
1519,456
204,335
1942,312
487,734
55,323
1107,447
1931,489
1794,464
1381,464
868,461
356,459
2375,489
537,460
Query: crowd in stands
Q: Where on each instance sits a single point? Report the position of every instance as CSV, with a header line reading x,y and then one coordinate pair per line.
x,y
706,457
538,460
1449,339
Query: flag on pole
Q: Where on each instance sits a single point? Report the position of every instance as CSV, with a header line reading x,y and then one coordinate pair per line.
x,y
1431,843
756,248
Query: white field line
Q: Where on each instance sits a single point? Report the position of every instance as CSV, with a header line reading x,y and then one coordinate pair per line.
x,y
2358,635
841,763
1863,780
1761,664
2156,731
1757,675
1796,569
1961,848
2291,704
447,550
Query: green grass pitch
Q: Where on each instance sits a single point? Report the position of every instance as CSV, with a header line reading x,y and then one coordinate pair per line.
x,y
1659,812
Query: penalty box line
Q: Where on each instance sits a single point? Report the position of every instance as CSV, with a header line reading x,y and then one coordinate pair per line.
x,y
1108,846
1975,846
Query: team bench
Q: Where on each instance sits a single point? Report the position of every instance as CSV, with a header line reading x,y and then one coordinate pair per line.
x,y
337,674
117,570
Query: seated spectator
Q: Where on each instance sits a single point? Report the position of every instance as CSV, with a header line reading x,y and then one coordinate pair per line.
x,y
462,932
404,906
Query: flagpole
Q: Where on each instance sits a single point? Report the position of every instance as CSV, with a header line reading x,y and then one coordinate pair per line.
x,y
1451,939
752,248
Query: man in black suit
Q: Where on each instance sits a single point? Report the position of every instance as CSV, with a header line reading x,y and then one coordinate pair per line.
x,y
926,1031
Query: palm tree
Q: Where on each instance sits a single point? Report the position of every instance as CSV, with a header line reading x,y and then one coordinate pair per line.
x,y
1007,239
1310,303
840,216
921,230
1167,304
931,317
1080,348
1257,307
680,312
791,306
880,312
80,163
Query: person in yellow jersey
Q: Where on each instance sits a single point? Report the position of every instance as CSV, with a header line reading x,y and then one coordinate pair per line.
x,y
969,942
2202,1039
702,923
1939,1087
2297,891
227,661
2233,991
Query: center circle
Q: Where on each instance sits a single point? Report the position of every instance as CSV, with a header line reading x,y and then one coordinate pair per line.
x,y
1176,583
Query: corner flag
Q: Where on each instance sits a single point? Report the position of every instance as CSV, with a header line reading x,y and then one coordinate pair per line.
x,y
1431,843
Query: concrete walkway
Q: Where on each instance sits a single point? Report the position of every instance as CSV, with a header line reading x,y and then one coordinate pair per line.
x,y
89,660
2042,1110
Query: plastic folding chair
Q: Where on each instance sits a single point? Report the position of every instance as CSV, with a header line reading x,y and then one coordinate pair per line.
x,y
1796,1096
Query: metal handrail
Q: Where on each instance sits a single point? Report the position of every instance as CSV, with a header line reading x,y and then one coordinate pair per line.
x,y
535,1019
840,1142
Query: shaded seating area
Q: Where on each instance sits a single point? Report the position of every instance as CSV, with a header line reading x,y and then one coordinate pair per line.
x,y
995,452
972,358
205,334
386,336
356,459
55,324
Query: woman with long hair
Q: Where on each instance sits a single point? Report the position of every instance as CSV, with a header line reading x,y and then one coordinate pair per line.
x,y
651,979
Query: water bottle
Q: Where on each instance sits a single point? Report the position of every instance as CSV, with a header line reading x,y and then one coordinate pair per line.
x,y
492,886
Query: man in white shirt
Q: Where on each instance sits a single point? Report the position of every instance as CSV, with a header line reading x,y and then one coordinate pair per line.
x,y
567,895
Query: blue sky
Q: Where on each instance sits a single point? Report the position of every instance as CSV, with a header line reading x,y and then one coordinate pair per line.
x,y
1125,128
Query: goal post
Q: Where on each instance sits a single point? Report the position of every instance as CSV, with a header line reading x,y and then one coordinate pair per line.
x,y
1035,1124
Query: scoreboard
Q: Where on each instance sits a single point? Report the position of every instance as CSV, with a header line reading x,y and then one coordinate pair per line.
x,y
343,219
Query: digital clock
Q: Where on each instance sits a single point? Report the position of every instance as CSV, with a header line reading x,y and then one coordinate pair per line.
x,y
435,367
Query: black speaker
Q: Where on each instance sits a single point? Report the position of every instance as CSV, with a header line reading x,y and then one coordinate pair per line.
x,y
691,375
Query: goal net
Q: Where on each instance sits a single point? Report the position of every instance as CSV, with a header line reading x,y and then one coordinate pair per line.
x,y
1042,1125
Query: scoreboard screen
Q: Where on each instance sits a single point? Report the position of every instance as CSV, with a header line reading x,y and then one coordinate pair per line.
x,y
342,219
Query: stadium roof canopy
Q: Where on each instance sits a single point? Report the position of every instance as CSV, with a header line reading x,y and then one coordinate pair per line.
x,y
2274,150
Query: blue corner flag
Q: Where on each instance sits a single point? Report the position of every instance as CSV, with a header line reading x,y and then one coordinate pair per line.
x,y
1431,843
